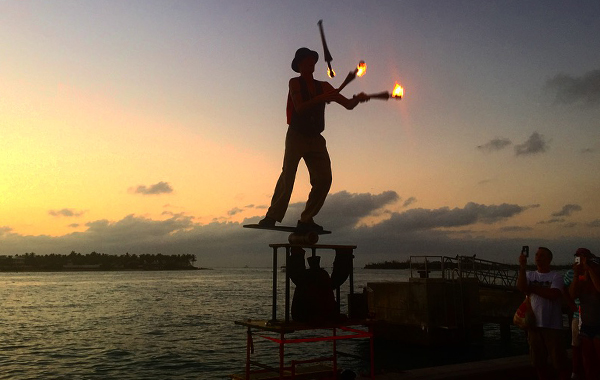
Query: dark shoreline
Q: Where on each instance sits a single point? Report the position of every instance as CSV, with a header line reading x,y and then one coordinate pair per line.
x,y
76,262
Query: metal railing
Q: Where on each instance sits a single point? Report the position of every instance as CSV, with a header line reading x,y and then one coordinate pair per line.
x,y
488,273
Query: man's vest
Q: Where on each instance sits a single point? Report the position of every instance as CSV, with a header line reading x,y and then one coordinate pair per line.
x,y
311,121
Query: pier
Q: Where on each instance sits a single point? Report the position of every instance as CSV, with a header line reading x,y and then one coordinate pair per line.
x,y
446,301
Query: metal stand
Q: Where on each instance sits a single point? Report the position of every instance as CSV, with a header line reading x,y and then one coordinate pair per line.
x,y
347,249
311,368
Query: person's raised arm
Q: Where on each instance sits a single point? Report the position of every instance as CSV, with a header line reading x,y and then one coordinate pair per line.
x,y
522,278
342,100
594,275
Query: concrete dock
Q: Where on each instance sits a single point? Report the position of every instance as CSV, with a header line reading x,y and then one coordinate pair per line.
x,y
514,368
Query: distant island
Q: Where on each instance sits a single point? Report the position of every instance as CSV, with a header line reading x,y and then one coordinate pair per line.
x,y
389,265
30,262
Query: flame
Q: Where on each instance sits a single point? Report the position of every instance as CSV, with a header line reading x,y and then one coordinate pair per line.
x,y
330,73
361,69
398,91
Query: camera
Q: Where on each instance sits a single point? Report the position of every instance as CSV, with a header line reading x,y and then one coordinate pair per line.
x,y
525,250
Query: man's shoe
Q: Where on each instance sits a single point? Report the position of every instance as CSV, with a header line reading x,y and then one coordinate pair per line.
x,y
267,222
308,227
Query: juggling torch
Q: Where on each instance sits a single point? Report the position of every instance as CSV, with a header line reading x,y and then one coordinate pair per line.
x,y
328,57
397,93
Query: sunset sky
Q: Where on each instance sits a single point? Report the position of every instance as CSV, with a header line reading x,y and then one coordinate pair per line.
x,y
158,126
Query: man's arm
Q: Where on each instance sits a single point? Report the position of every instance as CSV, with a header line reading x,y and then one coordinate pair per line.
x,y
594,276
342,100
549,293
522,278
329,95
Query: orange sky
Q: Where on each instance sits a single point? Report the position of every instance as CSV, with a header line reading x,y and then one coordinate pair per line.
x,y
99,99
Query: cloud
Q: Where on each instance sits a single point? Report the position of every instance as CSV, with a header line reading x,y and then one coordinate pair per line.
x,y
535,144
67,212
552,221
157,188
409,201
5,230
425,219
567,210
437,231
515,228
234,211
494,145
355,207
594,223
569,90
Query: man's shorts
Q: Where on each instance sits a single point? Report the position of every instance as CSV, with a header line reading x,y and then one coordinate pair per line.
x,y
547,343
591,332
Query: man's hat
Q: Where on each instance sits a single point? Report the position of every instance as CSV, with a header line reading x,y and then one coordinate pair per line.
x,y
583,252
300,55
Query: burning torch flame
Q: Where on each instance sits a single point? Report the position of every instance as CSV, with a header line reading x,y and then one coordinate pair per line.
x,y
398,91
330,73
361,69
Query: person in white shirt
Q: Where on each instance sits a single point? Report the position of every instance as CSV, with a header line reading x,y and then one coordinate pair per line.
x,y
545,289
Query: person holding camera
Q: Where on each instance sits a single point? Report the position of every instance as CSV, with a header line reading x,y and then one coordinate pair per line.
x,y
577,361
545,290
586,287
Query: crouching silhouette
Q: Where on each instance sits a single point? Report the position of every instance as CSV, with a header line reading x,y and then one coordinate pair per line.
x,y
313,300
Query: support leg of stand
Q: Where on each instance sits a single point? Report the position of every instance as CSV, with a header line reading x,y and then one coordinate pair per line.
x,y
248,346
335,370
351,279
281,355
288,253
372,349
274,310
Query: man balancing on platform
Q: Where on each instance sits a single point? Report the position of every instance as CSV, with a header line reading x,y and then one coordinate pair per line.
x,y
306,119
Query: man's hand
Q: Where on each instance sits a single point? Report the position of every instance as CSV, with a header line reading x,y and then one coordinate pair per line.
x,y
522,277
332,95
522,261
362,97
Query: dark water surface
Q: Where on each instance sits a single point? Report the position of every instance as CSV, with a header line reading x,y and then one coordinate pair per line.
x,y
166,325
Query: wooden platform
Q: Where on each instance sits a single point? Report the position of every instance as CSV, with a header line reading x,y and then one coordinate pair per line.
x,y
284,229
291,326
318,371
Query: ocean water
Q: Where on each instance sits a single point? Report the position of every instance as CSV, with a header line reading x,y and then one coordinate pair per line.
x,y
165,325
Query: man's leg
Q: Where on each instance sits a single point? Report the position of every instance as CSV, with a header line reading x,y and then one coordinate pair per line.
x,y
556,346
577,364
319,169
294,148
538,353
589,357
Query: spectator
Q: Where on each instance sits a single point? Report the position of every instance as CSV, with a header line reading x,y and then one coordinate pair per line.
x,y
586,286
545,289
577,365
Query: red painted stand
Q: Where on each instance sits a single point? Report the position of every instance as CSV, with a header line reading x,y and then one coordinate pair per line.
x,y
301,369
